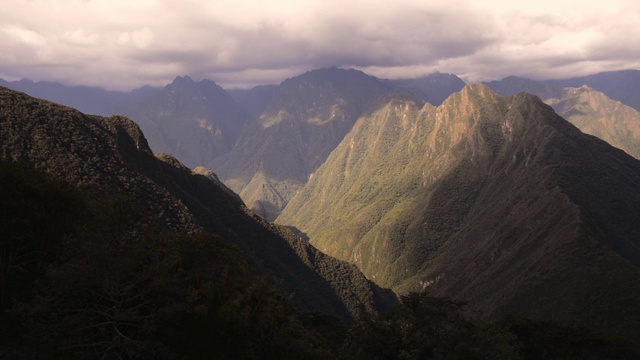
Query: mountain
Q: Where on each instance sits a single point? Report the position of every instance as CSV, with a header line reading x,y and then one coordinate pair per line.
x,y
433,88
194,121
512,85
493,200
591,111
111,154
253,100
306,117
596,114
623,85
90,100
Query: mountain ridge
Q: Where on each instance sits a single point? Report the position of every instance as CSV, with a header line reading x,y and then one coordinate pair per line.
x,y
496,201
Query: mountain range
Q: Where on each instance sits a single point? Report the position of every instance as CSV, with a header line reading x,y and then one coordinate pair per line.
x,y
89,100
498,199
493,200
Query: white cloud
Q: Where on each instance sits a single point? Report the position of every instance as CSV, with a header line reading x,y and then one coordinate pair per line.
x,y
122,44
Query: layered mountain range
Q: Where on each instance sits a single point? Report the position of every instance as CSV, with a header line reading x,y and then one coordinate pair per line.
x,y
494,200
112,154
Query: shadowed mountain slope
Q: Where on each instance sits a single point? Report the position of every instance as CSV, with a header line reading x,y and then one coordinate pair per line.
x,y
305,119
496,201
194,121
112,153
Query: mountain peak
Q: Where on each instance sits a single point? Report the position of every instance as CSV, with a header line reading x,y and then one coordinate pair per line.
x,y
478,89
182,79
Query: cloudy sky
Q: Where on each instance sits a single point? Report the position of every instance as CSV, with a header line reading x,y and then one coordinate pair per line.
x,y
122,44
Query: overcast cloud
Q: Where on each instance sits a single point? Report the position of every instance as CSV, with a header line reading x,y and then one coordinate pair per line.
x,y
122,44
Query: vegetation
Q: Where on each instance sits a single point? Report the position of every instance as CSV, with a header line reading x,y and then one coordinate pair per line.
x,y
108,252
101,279
112,156
495,201
104,280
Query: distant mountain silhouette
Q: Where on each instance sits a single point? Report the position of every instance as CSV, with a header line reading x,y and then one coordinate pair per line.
x,y
194,121
433,88
623,86
89,100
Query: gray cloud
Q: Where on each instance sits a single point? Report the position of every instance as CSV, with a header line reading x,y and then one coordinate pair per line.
x,y
123,44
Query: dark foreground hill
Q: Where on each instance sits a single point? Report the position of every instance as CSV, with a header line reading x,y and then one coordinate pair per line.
x,y
496,201
112,154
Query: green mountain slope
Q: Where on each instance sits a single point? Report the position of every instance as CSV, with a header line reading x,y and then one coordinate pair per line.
x,y
194,121
305,119
496,201
112,154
